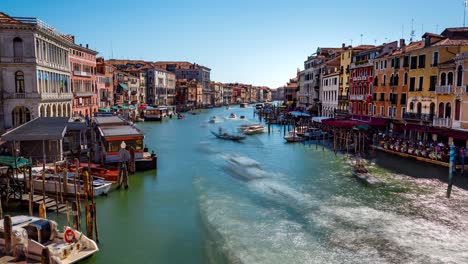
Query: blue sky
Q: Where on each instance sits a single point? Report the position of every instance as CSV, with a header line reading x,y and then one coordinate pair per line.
x,y
258,42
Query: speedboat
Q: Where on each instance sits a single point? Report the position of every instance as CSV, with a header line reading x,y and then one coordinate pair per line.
x,y
293,137
363,175
30,235
244,168
254,129
214,119
232,116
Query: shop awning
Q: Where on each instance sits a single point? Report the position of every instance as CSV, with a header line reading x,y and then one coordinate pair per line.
x,y
341,123
123,86
104,109
10,161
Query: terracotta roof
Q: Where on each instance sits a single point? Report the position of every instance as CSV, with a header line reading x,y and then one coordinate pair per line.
x,y
452,42
6,19
410,47
364,47
427,34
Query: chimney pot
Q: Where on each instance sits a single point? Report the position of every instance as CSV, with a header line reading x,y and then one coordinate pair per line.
x,y
402,43
87,46
343,45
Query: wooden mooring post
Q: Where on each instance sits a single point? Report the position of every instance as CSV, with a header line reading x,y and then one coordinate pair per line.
x,y
7,234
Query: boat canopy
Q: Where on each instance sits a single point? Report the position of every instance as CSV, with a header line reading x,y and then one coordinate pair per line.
x,y
10,162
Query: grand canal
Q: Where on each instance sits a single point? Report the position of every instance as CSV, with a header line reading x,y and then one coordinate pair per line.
x,y
304,206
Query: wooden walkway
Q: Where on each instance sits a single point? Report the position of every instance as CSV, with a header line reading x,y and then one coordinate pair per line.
x,y
50,203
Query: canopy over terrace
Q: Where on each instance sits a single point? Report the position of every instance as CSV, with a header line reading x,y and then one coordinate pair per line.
x,y
337,123
38,133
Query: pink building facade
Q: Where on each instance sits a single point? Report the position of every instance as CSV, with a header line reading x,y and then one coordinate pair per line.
x,y
83,81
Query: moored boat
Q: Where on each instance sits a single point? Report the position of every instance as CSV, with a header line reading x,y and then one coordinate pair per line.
x,y
232,116
214,119
253,129
244,105
227,136
293,137
30,235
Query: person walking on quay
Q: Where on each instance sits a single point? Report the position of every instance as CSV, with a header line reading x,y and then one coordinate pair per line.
x,y
124,157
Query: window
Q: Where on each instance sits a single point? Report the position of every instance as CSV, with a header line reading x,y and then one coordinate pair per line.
x,y
432,82
406,61
443,78
450,78
441,110
459,76
411,107
403,111
376,81
376,65
390,110
403,99
382,110
19,82
382,97
385,64
384,80
421,83
393,63
412,84
435,59
405,78
422,61
375,110
414,61
457,109
17,47
397,63
448,110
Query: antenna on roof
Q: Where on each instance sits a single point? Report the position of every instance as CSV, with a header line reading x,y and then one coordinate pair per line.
x,y
437,29
375,42
422,29
402,31
351,40
361,38
465,4
112,51
412,30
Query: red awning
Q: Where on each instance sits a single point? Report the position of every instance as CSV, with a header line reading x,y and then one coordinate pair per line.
x,y
378,121
341,123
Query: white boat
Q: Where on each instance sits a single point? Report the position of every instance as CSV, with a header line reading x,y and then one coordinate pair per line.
x,y
253,129
215,119
232,116
53,184
244,168
293,137
30,235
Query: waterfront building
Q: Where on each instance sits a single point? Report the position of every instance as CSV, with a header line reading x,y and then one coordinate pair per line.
x,y
121,94
277,94
105,73
189,71
216,94
290,91
34,71
133,84
330,75
267,94
362,77
161,85
83,80
227,94
460,117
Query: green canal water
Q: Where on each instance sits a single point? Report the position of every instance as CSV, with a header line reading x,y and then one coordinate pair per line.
x,y
303,206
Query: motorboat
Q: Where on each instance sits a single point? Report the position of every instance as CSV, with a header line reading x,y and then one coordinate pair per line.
x,y
259,106
232,116
244,168
363,175
293,137
30,235
226,136
54,183
244,105
214,119
254,129
107,172
179,116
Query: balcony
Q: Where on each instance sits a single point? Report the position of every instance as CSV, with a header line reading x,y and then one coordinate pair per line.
x,y
418,117
342,98
84,93
444,89
82,73
56,96
442,122
356,97
20,95
364,63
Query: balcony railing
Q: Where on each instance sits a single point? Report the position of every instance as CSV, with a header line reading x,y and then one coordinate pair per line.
x,y
84,93
17,59
342,98
418,116
444,89
82,73
442,122
356,97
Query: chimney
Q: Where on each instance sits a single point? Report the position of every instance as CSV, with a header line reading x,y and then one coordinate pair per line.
x,y
343,45
402,43
81,45
87,46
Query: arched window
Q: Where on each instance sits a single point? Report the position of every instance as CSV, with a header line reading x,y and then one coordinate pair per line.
x,y
419,107
20,115
17,47
411,107
19,82
448,110
441,110
450,78
459,76
457,109
391,80
432,109
443,78
395,80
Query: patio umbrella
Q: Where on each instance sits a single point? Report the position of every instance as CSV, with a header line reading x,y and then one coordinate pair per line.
x,y
115,107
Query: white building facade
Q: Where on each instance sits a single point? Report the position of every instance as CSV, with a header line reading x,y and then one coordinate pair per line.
x,y
34,71
329,93
161,86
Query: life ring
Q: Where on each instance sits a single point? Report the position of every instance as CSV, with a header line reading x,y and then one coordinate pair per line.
x,y
69,236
